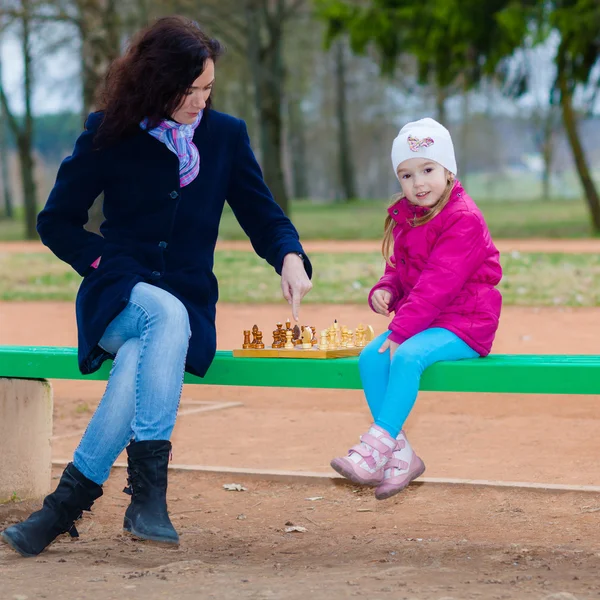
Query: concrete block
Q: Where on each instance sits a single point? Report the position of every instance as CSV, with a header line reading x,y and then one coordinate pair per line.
x,y
25,438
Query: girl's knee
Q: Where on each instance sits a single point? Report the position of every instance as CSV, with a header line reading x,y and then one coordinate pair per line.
x,y
370,354
406,359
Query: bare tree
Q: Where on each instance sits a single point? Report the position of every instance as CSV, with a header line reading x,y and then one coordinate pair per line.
x,y
347,175
23,133
4,174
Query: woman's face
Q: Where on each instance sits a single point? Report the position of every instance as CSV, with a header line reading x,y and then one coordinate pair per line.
x,y
195,99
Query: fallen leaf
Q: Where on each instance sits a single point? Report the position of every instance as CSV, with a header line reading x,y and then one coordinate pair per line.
x,y
234,487
297,528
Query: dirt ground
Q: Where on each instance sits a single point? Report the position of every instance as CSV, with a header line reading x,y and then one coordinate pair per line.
x,y
432,542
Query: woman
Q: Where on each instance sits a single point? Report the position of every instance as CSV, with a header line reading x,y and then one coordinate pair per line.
x,y
166,163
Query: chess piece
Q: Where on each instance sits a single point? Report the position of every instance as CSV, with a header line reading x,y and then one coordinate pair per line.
x,y
296,335
314,335
278,337
323,345
254,332
276,342
336,328
307,339
360,336
289,345
246,343
350,341
259,343
345,337
370,334
332,338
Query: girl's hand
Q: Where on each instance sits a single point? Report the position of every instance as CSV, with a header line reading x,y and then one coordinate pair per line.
x,y
393,346
381,301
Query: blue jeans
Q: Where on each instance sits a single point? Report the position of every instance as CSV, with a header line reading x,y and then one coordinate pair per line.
x,y
391,387
150,339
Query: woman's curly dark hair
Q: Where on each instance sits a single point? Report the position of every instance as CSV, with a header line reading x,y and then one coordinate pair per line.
x,y
151,79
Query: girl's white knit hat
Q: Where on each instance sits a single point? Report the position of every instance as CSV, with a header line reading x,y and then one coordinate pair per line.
x,y
425,138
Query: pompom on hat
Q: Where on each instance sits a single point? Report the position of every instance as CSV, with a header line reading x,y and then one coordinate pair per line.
x,y
425,138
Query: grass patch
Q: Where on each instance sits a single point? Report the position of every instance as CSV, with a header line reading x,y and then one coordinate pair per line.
x,y
531,279
363,220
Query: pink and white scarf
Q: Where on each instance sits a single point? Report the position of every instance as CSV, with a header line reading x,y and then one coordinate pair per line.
x,y
178,137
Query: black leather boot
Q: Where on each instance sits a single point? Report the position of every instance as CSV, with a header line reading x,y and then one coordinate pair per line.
x,y
74,494
146,517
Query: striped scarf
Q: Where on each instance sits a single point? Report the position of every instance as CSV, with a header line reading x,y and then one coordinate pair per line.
x,y
178,139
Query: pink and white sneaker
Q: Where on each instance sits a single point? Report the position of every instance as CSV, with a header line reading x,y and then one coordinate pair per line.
x,y
365,461
400,470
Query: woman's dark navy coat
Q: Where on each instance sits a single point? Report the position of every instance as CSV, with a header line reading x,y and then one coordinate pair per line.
x,y
155,231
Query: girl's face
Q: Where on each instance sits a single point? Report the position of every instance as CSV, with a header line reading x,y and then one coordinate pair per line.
x,y
195,99
423,181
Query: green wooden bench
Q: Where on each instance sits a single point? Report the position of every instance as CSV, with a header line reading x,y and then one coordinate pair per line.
x,y
515,374
26,396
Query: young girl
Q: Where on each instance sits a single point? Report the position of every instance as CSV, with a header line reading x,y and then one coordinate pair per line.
x,y
166,164
440,280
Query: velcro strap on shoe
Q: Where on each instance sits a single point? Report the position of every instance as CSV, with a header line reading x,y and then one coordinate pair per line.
x,y
359,449
376,443
396,463
400,444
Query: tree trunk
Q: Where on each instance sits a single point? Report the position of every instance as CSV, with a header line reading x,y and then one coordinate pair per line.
x,y
464,139
297,146
347,173
100,44
441,93
4,170
547,153
25,137
570,123
266,65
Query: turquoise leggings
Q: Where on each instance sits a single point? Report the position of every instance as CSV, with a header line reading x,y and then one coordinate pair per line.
x,y
391,387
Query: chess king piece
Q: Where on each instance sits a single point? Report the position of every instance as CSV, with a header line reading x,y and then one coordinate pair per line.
x,y
323,345
289,344
307,338
246,343
254,332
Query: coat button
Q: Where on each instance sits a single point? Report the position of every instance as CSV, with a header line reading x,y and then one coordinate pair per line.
x,y
155,273
162,244
402,261
395,211
174,194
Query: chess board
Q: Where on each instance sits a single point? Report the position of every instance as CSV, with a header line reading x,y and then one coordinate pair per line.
x,y
297,352
335,342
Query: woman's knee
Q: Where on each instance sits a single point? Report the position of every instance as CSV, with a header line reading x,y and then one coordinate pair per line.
x,y
163,308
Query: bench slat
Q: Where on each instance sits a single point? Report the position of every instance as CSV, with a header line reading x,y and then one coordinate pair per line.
x,y
540,374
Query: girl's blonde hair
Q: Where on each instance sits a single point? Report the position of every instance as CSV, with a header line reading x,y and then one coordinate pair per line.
x,y
387,246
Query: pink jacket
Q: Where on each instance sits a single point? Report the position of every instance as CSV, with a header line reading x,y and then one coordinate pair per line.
x,y
444,273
